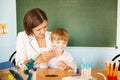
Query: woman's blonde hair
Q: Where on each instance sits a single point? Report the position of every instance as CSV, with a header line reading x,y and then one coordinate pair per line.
x,y
60,34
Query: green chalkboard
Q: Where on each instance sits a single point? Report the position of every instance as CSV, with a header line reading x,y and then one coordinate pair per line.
x,y
90,23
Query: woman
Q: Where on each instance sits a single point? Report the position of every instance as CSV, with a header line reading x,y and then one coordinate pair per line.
x,y
35,39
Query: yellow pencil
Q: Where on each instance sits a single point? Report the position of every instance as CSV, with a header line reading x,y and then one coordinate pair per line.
x,y
108,67
116,68
111,68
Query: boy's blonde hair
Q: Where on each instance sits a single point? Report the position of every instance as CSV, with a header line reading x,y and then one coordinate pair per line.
x,y
59,34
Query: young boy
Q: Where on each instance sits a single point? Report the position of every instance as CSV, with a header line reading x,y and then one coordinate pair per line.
x,y
62,59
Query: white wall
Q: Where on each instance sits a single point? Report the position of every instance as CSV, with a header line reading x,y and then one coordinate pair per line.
x,y
8,16
97,55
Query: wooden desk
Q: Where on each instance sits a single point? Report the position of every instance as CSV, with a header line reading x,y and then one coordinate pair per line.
x,y
41,74
6,75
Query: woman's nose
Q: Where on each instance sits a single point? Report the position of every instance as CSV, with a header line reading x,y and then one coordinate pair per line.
x,y
42,31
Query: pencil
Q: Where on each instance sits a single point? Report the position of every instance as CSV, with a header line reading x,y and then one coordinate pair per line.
x,y
116,68
111,68
107,67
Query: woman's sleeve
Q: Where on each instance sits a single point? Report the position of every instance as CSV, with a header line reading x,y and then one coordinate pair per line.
x,y
21,55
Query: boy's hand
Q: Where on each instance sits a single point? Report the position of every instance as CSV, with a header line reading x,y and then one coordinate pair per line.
x,y
63,66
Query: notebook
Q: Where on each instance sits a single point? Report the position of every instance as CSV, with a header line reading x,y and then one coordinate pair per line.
x,y
6,65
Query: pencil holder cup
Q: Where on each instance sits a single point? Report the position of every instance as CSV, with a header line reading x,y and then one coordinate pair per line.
x,y
112,69
111,77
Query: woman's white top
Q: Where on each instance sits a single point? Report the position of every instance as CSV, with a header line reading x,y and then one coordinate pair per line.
x,y
66,57
27,47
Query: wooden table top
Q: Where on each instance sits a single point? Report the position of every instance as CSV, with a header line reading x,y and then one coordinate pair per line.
x,y
41,74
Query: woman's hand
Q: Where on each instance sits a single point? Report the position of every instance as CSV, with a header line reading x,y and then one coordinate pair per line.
x,y
45,57
23,66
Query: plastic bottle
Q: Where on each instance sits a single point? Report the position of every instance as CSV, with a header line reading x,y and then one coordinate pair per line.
x,y
90,69
82,70
75,68
34,73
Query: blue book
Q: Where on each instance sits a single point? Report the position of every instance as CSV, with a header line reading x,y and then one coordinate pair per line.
x,y
6,65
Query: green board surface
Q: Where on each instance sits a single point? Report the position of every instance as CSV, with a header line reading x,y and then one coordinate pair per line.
x,y
90,23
